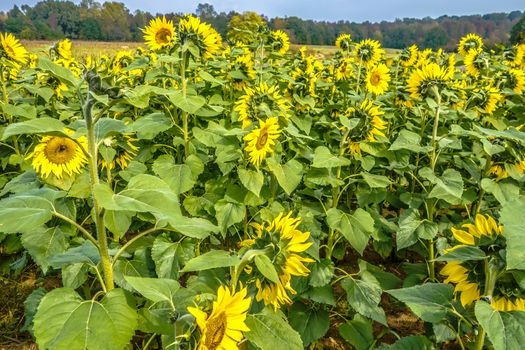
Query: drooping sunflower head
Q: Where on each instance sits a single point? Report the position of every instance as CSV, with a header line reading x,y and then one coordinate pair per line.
x,y
408,56
124,148
280,41
223,328
516,56
424,57
344,69
377,79
484,231
488,98
11,48
514,79
470,42
369,52
63,49
509,162
344,42
285,245
260,142
240,69
474,63
422,81
370,127
159,34
202,35
263,100
60,156
451,66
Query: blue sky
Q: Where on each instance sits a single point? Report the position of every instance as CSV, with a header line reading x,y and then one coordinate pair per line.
x,y
332,10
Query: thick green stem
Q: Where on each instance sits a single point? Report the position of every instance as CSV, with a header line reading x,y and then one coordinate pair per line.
x,y
184,114
98,212
491,277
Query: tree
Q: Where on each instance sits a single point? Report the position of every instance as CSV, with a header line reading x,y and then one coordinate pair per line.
x,y
114,19
246,27
517,34
205,11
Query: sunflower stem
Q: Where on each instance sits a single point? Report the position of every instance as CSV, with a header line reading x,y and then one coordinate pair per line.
x,y
184,114
98,212
491,277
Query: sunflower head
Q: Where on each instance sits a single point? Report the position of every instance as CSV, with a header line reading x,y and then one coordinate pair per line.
x,y
370,126
260,142
344,69
280,41
284,244
470,42
474,63
202,35
516,56
63,49
223,328
344,42
241,62
408,56
124,148
487,99
263,100
59,156
377,79
369,52
159,34
514,79
510,162
423,81
11,49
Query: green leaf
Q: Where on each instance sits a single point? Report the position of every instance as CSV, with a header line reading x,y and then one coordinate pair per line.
x,y
321,273
30,306
503,192
109,127
464,253
154,289
376,181
448,187
151,125
270,331
265,266
118,222
413,342
24,213
62,73
506,330
311,324
430,301
169,257
178,176
44,125
252,180
20,111
410,141
289,175
511,216
194,227
43,242
364,297
211,260
85,253
228,213
324,159
356,228
65,321
411,227
358,333
189,104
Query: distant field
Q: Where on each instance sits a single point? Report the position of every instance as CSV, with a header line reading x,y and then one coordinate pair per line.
x,y
97,48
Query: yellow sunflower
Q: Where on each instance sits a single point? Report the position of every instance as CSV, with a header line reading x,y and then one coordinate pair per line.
x,y
369,52
408,56
201,34
369,128
377,79
240,62
344,70
470,42
125,150
515,80
472,63
12,49
424,58
283,243
490,96
510,162
223,328
506,304
516,57
422,81
63,49
159,34
59,155
344,42
261,141
451,66
263,99
280,41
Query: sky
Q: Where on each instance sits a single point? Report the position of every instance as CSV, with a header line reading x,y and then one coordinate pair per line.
x,y
329,10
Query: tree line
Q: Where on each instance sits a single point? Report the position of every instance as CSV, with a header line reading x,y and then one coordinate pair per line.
x,y
112,21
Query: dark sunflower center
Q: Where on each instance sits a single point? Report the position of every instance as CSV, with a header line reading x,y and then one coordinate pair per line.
x,y
60,150
163,36
215,331
262,139
375,79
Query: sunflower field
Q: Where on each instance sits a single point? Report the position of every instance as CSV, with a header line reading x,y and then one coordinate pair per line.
x,y
204,195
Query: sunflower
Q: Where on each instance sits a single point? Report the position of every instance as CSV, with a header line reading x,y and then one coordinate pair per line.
x,y
344,70
59,155
222,328
33,60
344,42
377,79
515,80
125,150
516,57
12,49
263,99
261,141
508,163
470,42
201,34
63,49
451,66
240,62
283,243
160,33
507,304
489,98
473,64
280,41
369,52
423,80
368,129
408,56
